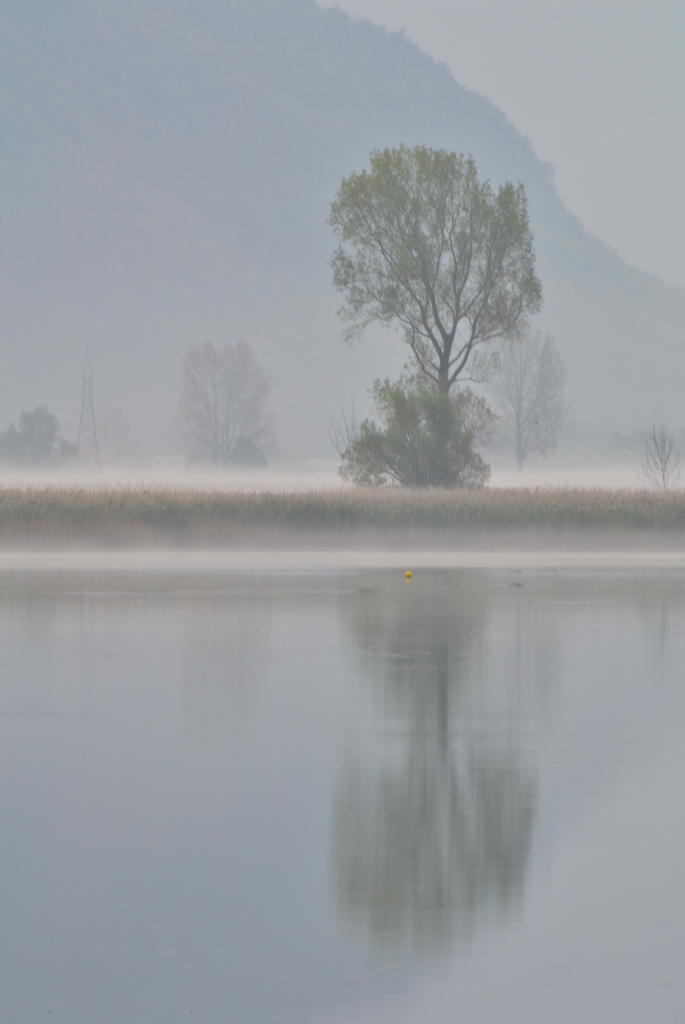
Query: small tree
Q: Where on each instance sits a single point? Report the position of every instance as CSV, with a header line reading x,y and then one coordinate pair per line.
x,y
35,441
427,438
224,403
527,377
661,460
429,249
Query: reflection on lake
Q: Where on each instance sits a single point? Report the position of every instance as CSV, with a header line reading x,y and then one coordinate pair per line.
x,y
434,808
341,797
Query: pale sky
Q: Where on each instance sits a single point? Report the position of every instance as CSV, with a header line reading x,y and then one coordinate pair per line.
x,y
599,89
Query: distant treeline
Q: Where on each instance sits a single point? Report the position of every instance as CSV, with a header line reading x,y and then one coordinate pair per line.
x,y
53,516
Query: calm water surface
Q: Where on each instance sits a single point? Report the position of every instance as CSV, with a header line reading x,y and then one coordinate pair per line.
x,y
342,798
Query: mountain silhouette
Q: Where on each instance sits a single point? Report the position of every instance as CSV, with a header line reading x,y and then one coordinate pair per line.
x,y
166,170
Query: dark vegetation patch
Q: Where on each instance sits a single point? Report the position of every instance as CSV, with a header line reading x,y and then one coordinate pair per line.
x,y
135,517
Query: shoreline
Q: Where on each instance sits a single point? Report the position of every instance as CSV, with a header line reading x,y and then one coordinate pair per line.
x,y
293,561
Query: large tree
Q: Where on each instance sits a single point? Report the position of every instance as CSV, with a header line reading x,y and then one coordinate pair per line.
x,y
428,248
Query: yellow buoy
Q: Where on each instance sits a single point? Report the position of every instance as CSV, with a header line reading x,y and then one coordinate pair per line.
x,y
407,574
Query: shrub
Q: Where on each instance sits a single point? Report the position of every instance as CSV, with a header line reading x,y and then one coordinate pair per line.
x,y
246,453
427,438
36,440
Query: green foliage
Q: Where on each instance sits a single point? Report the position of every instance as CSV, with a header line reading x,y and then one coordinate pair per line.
x,y
427,438
35,441
427,248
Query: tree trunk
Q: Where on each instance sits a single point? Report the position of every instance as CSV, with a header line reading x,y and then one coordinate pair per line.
x,y
444,373
520,446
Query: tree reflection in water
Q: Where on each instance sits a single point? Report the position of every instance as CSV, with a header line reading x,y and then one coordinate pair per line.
x,y
434,808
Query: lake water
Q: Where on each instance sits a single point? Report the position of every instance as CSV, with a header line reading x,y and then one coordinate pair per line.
x,y
338,797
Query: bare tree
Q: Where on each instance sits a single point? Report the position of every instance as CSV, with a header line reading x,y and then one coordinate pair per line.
x,y
661,460
342,431
224,402
527,378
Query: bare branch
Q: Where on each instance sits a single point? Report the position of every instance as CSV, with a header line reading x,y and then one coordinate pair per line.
x,y
223,401
342,432
661,460
527,378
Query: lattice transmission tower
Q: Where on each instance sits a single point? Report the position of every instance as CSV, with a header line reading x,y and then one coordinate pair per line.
x,y
87,434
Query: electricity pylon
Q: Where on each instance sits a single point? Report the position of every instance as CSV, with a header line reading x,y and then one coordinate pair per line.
x,y
87,434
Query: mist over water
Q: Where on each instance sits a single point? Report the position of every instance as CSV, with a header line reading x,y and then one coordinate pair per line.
x,y
296,476
304,475
341,796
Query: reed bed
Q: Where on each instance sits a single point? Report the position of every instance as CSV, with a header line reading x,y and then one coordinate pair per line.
x,y
117,515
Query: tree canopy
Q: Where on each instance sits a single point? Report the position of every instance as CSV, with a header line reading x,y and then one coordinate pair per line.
x,y
426,247
36,440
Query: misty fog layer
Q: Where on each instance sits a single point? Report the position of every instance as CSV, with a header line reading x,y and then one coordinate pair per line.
x,y
166,169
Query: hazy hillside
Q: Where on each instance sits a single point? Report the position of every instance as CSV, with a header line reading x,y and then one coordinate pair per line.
x,y
165,173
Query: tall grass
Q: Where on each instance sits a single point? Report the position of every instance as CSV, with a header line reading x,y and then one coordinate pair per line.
x,y
74,513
